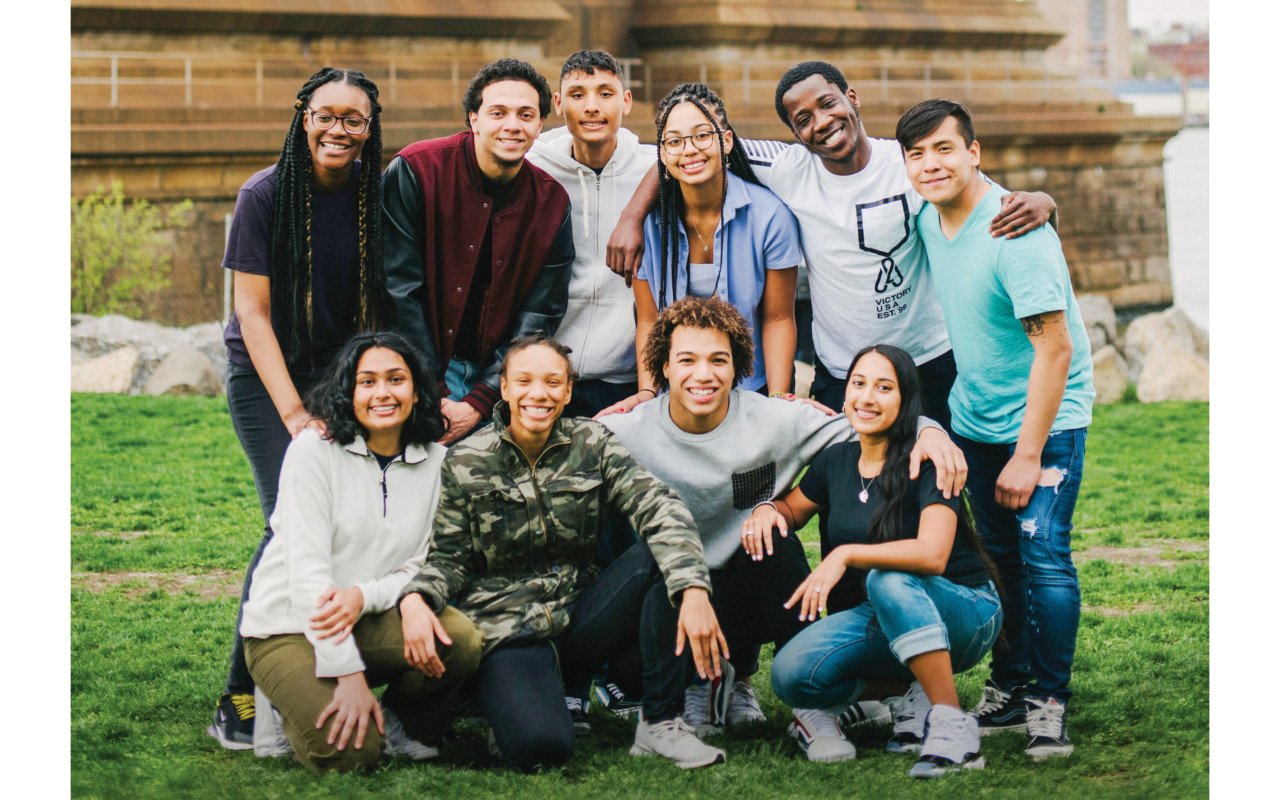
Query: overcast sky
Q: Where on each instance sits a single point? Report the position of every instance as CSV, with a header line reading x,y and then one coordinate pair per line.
x,y
1159,13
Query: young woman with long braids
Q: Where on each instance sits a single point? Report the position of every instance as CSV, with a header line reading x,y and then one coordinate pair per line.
x,y
716,232
932,607
306,248
352,525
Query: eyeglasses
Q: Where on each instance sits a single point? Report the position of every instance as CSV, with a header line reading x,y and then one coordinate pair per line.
x,y
324,121
674,145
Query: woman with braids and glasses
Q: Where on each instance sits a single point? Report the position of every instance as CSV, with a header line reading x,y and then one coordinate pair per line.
x,y
306,248
716,232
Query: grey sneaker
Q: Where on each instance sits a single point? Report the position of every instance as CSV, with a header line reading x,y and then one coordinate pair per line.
x,y
674,739
819,735
743,705
865,712
578,712
398,742
950,744
1047,728
268,729
909,712
706,706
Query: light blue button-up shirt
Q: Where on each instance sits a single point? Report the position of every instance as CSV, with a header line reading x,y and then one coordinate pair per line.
x,y
757,232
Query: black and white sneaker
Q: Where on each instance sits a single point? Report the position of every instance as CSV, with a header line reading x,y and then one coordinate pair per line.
x,y
909,712
233,721
1001,711
865,712
950,744
1047,728
578,711
610,696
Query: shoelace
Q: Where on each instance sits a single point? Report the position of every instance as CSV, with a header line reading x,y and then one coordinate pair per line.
x,y
945,738
695,703
909,710
670,728
613,691
742,695
243,705
573,703
819,724
1043,720
992,700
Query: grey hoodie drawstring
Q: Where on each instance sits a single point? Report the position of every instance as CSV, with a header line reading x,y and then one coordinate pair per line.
x,y
586,203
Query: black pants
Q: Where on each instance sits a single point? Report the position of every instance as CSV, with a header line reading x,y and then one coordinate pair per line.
x,y
748,596
936,377
264,438
519,684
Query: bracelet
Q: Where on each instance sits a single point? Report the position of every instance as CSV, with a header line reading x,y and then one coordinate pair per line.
x,y
650,391
779,394
768,503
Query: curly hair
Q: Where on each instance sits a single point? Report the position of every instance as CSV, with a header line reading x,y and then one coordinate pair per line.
x,y
708,313
506,69
539,339
801,72
331,400
291,282
588,61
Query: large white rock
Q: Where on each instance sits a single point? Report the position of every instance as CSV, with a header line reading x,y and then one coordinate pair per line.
x,y
1099,320
1173,373
95,336
1110,376
1171,326
113,372
184,371
207,338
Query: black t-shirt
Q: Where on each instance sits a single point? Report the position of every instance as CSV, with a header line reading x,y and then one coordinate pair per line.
x,y
335,270
833,481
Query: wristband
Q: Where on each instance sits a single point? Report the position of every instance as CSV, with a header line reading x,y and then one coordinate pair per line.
x,y
768,503
650,391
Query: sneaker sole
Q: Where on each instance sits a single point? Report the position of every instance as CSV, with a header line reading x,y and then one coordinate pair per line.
x,y
835,758
900,747
990,729
933,771
228,744
641,750
1049,751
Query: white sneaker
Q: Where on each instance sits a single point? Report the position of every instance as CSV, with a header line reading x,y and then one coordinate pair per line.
x,y
676,740
398,742
819,735
909,712
268,729
743,705
865,712
950,744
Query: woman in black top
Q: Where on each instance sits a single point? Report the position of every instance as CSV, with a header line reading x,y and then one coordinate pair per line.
x,y
932,606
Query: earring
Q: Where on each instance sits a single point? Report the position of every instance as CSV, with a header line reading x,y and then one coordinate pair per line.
x,y
413,416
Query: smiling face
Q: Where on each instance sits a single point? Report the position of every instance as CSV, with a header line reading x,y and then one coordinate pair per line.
x,y
871,397
592,105
690,165
825,120
334,151
383,398
536,386
942,168
505,126
699,372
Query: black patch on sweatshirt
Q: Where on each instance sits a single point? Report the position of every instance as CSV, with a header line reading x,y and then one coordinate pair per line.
x,y
754,486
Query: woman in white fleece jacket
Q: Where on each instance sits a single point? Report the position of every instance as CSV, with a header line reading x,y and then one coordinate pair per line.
x,y
352,523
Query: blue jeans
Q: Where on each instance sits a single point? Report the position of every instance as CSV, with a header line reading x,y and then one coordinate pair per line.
x,y
460,376
1031,549
827,664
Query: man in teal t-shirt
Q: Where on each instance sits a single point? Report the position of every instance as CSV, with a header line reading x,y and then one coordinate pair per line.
x,y
1020,407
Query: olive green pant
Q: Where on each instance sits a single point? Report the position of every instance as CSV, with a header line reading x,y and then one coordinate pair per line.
x,y
284,667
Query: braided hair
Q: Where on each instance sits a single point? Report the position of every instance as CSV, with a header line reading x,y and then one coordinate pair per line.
x,y
291,215
670,199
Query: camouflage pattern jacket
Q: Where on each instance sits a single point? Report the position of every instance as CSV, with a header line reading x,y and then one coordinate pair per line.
x,y
513,546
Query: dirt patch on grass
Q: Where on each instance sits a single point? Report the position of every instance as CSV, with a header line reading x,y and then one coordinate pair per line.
x,y
1155,554
127,535
210,585
1109,611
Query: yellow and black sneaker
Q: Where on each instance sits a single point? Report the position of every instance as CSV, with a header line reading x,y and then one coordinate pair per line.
x,y
233,722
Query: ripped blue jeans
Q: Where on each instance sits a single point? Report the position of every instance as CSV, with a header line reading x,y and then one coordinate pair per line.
x,y
1031,549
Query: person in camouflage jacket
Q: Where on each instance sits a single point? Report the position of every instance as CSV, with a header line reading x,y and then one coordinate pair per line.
x,y
523,503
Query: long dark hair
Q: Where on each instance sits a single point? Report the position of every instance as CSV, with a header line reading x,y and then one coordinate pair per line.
x,y
331,399
670,200
291,214
895,482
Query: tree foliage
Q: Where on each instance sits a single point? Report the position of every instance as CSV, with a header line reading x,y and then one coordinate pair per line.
x,y
118,255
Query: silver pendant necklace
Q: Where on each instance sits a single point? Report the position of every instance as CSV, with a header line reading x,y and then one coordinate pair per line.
x,y
863,495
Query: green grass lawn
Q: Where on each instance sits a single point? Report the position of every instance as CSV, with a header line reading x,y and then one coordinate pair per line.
x,y
164,518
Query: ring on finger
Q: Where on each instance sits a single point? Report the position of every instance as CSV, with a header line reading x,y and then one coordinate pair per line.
x,y
815,588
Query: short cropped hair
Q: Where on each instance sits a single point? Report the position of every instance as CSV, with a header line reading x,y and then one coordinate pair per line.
x,y
588,61
801,72
924,118
539,339
708,313
506,69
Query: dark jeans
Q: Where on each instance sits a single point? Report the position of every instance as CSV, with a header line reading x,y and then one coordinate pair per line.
x,y
1031,549
519,684
264,438
590,397
748,596
936,377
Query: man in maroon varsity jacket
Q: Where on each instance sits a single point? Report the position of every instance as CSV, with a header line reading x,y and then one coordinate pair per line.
x,y
478,243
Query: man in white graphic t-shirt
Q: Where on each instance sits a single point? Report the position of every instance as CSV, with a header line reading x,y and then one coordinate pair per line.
x,y
868,273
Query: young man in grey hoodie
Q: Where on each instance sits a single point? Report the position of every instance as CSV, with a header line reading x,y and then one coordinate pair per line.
x,y
600,164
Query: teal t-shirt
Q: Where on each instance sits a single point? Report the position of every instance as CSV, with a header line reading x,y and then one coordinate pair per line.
x,y
985,287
